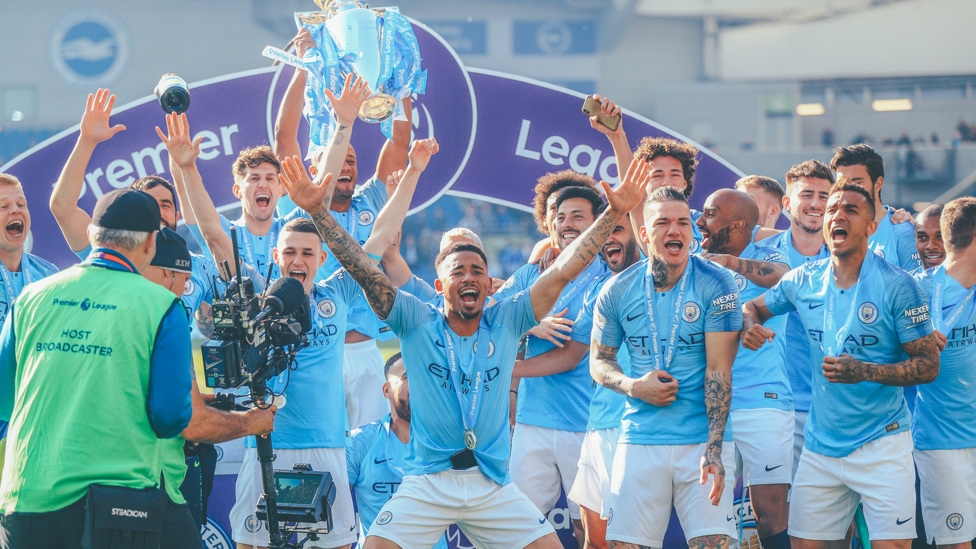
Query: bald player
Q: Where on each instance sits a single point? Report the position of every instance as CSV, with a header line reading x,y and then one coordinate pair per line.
x,y
928,237
762,400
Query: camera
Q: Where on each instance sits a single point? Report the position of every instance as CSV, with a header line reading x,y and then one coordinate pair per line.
x,y
303,496
255,337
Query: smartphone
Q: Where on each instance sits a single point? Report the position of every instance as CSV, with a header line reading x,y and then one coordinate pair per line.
x,y
591,107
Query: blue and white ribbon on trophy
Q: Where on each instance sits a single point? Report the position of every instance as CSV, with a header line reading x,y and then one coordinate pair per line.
x,y
378,45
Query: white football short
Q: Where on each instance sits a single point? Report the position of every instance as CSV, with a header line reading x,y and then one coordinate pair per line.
x,y
543,461
490,515
647,480
245,526
591,489
763,445
362,373
948,492
880,475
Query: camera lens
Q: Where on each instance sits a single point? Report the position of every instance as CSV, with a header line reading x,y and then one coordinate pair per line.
x,y
173,94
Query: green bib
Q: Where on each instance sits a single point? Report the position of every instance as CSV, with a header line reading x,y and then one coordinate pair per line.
x,y
84,341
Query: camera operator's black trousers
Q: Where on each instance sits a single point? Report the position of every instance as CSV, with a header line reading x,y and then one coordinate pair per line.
x,y
62,529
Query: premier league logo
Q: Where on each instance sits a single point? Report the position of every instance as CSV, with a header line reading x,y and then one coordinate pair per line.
x,y
326,308
867,312
691,312
366,217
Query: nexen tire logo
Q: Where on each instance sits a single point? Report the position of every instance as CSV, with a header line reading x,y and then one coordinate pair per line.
x,y
116,512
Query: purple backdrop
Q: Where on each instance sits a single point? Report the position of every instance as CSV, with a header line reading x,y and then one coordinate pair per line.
x,y
498,133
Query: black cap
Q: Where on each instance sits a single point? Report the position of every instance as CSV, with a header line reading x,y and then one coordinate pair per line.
x,y
127,209
171,252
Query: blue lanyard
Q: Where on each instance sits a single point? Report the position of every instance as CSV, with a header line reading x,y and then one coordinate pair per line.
x,y
8,283
478,369
272,241
578,285
665,362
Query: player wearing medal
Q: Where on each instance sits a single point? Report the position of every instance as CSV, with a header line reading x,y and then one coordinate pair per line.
x,y
943,424
677,315
807,188
553,404
73,221
591,487
376,452
863,166
862,315
928,237
459,361
762,400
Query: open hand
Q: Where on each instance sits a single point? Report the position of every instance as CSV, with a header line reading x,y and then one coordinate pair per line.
x,y
182,151
629,193
305,194
554,328
94,123
346,106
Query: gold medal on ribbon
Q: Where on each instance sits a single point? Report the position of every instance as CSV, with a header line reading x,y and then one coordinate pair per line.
x,y
470,441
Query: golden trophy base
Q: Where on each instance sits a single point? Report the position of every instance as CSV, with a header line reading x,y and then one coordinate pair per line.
x,y
377,108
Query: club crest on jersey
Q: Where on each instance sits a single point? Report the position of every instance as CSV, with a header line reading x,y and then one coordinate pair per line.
x,y
691,311
491,347
384,518
695,246
867,312
252,524
366,217
740,282
599,320
189,287
326,308
954,521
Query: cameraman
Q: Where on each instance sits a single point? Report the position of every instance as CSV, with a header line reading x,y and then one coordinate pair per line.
x,y
170,268
94,370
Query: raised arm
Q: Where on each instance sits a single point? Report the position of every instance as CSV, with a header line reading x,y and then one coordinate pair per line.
x,y
389,221
720,351
922,366
346,108
64,200
379,291
290,111
183,152
764,274
578,255
393,155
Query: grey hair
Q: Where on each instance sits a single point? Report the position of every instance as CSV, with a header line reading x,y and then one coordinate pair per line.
x,y
127,240
460,232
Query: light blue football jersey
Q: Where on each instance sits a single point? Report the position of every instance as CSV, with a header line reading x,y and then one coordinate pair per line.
x,y
710,303
437,428
896,244
943,417
870,321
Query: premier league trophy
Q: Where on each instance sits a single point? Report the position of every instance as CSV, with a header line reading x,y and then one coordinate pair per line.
x,y
350,38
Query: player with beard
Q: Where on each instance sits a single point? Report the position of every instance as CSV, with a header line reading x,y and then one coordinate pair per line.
x,y
74,221
928,237
678,316
862,315
457,468
377,451
863,166
807,188
768,194
553,405
943,425
591,487
762,400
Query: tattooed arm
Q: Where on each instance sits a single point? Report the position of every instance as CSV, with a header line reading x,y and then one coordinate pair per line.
x,y
655,387
761,273
578,255
379,291
922,366
720,351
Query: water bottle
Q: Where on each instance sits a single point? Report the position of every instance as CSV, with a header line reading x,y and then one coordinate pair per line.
x,y
172,93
